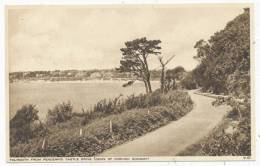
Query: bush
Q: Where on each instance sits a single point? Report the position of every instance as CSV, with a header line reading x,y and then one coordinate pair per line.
x,y
109,106
21,125
144,100
238,84
60,113
103,108
237,143
27,114
136,101
189,82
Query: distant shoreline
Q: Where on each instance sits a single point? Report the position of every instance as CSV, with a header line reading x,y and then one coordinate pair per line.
x,y
78,81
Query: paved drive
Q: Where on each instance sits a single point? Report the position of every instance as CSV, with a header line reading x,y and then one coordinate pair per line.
x,y
176,136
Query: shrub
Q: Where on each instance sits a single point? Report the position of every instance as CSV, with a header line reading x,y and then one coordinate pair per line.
x,y
136,101
21,129
27,114
189,81
103,108
60,113
144,100
172,77
237,143
109,106
238,84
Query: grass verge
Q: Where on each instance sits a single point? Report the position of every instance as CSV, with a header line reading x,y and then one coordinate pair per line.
x,y
71,138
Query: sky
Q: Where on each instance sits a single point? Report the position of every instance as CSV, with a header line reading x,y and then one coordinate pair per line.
x,y
90,37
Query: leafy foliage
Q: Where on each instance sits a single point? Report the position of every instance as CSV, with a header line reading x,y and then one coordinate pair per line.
x,y
107,107
163,67
225,68
23,125
224,57
118,105
134,58
237,143
60,113
172,77
189,82
231,70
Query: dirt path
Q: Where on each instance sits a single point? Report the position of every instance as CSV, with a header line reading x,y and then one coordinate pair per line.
x,y
176,136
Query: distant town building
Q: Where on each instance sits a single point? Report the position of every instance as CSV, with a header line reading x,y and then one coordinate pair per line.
x,y
95,75
80,74
62,73
108,75
69,74
40,75
55,73
25,74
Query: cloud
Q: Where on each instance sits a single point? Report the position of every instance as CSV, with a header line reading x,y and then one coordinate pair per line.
x,y
48,38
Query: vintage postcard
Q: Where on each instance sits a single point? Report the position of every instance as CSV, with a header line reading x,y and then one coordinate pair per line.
x,y
105,83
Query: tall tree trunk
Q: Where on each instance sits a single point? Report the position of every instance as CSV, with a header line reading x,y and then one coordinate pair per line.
x,y
164,83
147,74
146,87
162,80
149,84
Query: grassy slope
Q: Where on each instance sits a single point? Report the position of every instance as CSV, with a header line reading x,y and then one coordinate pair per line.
x,y
65,139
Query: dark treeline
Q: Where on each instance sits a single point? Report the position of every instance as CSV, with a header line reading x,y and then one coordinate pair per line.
x,y
224,66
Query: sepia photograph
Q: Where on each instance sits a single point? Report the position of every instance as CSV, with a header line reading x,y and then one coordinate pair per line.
x,y
130,82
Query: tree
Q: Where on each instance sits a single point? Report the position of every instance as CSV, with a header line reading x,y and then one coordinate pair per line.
x,y
163,66
172,76
203,48
21,124
189,82
134,59
225,54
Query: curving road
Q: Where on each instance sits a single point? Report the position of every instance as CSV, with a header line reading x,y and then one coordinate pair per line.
x,y
176,136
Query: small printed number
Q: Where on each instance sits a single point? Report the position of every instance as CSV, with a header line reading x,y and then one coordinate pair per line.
x,y
246,157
